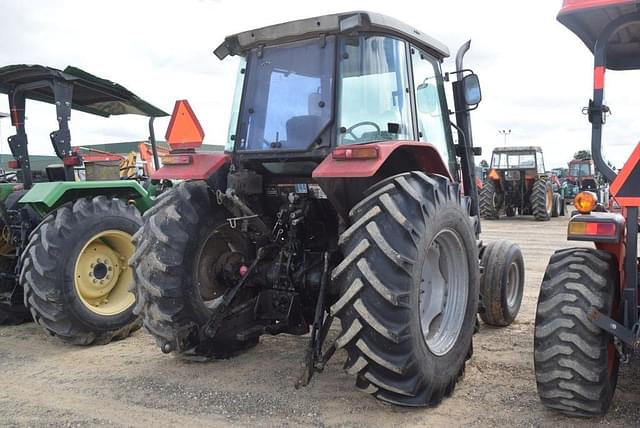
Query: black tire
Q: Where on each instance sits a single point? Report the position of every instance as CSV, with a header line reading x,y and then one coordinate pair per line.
x,y
489,201
542,200
557,202
380,278
510,211
501,283
165,266
576,363
563,207
48,269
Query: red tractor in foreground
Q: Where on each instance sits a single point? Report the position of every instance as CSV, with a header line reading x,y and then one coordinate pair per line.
x,y
587,315
340,195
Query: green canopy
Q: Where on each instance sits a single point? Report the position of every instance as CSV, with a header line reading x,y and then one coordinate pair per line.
x,y
91,94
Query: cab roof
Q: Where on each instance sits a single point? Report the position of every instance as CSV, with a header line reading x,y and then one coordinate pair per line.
x,y
91,94
328,24
587,18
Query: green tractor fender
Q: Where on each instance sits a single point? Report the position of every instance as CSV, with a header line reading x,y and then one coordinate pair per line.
x,y
45,197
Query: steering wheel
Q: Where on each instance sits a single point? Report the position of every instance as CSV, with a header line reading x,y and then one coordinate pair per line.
x,y
359,124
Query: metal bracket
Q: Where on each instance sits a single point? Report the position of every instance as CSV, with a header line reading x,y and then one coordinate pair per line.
x,y
233,220
628,336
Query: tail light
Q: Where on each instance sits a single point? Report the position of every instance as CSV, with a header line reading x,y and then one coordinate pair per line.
x,y
355,153
597,227
176,159
13,164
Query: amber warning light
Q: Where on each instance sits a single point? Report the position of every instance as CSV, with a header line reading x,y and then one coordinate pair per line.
x,y
184,131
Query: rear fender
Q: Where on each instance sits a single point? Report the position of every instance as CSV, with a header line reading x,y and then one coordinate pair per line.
x,y
344,181
201,166
45,197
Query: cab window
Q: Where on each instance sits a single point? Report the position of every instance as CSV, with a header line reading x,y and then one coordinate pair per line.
x,y
429,93
373,90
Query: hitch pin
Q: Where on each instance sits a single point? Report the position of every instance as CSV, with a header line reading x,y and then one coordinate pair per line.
x,y
233,221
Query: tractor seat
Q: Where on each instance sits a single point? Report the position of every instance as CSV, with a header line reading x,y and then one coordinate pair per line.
x,y
300,130
55,172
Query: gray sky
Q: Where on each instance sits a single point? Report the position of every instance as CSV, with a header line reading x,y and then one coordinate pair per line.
x,y
536,76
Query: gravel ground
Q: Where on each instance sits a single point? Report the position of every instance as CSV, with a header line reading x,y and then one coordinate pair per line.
x,y
131,383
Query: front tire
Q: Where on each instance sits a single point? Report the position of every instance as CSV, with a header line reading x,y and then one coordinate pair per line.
x,y
576,362
501,283
75,275
408,290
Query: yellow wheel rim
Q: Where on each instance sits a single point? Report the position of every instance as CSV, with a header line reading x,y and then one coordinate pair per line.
x,y
549,199
102,275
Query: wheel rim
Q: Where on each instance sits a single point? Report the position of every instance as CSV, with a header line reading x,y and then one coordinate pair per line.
x,y
549,200
513,281
102,276
443,292
220,259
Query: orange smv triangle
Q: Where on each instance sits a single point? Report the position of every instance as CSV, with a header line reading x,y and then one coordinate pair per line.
x,y
625,188
184,131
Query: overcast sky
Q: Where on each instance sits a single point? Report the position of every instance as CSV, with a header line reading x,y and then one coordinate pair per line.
x,y
536,76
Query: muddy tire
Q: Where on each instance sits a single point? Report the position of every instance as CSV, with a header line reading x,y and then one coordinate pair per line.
x,y
57,286
407,235
542,200
576,364
168,266
489,201
501,283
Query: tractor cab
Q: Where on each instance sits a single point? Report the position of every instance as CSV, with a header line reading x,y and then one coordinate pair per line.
x,y
587,320
347,92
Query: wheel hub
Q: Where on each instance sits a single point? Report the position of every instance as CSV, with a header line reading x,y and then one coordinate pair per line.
x,y
102,276
443,292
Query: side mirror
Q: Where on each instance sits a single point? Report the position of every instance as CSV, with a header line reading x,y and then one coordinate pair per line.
x,y
471,87
427,98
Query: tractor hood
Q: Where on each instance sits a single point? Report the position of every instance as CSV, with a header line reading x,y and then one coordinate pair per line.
x,y
328,24
91,94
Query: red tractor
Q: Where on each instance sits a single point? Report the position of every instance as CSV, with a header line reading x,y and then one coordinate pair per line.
x,y
340,195
587,315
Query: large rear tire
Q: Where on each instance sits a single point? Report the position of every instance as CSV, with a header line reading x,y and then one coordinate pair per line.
x,y
576,362
490,203
501,283
542,200
183,245
408,289
75,275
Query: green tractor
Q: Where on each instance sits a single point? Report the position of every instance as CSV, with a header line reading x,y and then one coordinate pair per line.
x,y
64,243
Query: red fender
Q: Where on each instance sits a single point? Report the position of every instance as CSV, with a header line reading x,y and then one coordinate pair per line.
x,y
426,155
200,167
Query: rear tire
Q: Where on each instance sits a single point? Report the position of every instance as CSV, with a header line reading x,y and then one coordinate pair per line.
x,y
501,283
542,200
55,256
391,283
489,201
575,362
557,202
176,231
